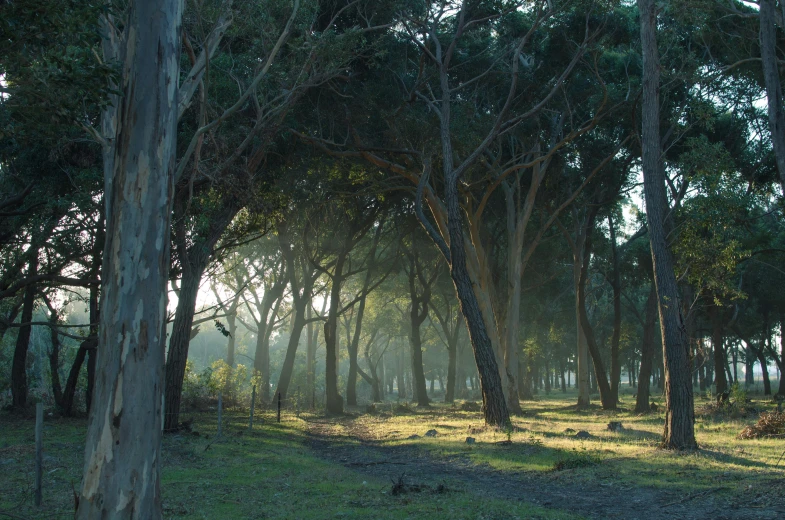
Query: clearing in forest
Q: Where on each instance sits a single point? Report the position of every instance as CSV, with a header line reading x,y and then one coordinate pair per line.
x,y
403,462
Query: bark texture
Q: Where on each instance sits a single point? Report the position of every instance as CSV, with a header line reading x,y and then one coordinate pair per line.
x,y
771,77
123,448
679,432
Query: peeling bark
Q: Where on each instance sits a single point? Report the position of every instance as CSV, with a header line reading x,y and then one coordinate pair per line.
x,y
123,448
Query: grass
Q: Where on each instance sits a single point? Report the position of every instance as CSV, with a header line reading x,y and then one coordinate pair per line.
x,y
277,472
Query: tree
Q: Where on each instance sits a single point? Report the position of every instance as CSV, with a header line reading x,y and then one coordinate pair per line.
x,y
679,432
123,448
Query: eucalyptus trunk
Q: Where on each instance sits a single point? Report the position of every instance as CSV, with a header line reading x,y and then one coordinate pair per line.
x,y
123,447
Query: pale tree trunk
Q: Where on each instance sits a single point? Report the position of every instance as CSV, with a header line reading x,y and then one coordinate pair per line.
x,y
679,431
123,447
781,361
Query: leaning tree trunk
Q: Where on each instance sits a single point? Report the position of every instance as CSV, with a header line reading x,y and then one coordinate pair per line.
x,y
181,338
679,431
19,362
123,447
647,353
493,402
607,399
353,346
291,350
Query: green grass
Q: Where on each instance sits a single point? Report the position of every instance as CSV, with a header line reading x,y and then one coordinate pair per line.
x,y
275,472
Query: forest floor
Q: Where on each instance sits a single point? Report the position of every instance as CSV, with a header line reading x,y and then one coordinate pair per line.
x,y
383,465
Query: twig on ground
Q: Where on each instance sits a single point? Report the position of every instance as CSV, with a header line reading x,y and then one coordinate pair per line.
x,y
691,496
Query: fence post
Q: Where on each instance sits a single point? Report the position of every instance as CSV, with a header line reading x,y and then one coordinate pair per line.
x,y
253,403
39,450
220,412
279,406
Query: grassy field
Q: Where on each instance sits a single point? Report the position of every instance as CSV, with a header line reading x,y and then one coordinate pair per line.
x,y
383,465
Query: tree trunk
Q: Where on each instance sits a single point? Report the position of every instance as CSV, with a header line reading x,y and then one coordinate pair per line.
x,y
310,353
334,399
720,365
679,431
19,363
781,390
231,320
123,447
615,339
764,370
354,347
69,391
54,358
452,360
291,350
418,374
771,76
607,398
647,353
180,339
193,261
582,370
494,404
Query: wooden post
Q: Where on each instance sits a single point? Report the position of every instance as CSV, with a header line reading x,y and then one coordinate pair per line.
x,y
220,412
253,403
279,406
39,450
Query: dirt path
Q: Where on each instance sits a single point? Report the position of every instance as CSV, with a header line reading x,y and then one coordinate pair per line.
x,y
593,500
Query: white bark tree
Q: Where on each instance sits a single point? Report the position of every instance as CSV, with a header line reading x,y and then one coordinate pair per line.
x,y
123,452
